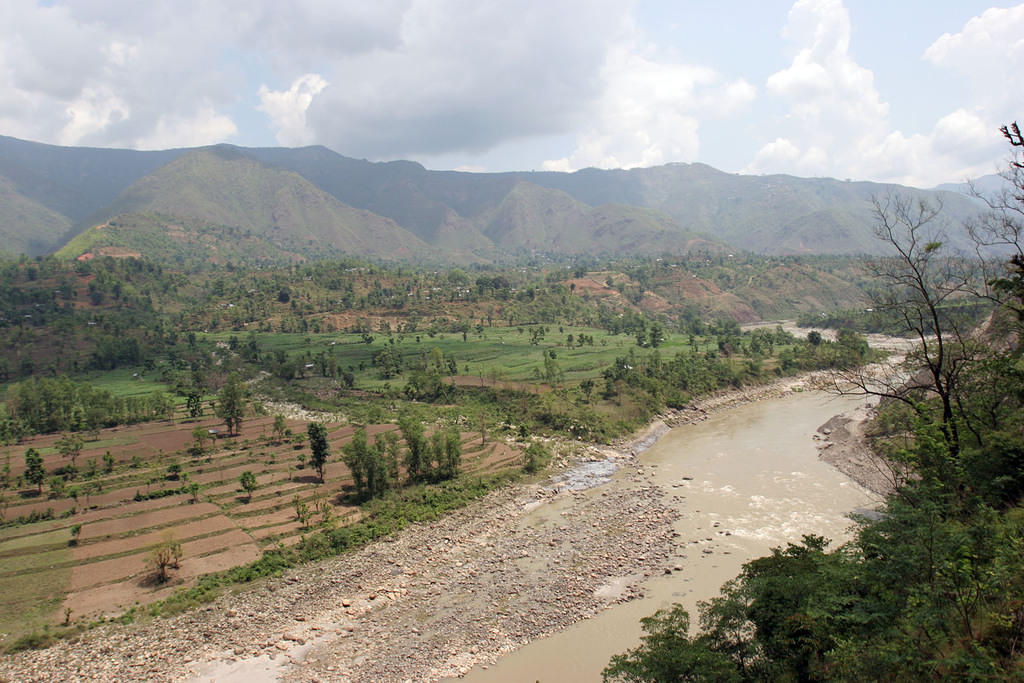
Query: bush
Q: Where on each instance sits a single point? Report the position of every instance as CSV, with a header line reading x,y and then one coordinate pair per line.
x,y
535,457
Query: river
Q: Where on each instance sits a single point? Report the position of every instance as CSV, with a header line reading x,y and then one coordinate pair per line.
x,y
744,481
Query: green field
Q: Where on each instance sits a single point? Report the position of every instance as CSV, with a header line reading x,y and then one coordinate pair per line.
x,y
33,583
501,353
128,382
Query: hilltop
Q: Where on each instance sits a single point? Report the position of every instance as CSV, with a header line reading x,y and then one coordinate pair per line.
x,y
279,205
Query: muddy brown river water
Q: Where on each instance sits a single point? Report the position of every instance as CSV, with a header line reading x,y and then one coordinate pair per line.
x,y
744,481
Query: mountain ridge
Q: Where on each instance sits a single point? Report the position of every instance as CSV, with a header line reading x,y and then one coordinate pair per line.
x,y
312,201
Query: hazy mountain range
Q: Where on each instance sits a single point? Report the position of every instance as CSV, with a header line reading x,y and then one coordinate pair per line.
x,y
227,203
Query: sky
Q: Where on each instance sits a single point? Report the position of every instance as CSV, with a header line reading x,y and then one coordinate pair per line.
x,y
911,91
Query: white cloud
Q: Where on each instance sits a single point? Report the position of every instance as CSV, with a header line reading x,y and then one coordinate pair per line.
x,y
204,127
95,108
838,125
287,109
649,112
128,75
461,79
467,75
993,42
989,53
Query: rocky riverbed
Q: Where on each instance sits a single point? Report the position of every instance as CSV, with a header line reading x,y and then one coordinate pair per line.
x,y
428,604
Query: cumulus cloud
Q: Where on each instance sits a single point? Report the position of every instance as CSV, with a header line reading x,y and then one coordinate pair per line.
x,y
456,78
203,127
649,112
466,75
832,100
304,35
287,109
134,75
396,77
838,125
989,52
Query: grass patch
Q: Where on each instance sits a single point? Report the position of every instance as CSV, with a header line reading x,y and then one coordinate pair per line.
x,y
33,601
128,382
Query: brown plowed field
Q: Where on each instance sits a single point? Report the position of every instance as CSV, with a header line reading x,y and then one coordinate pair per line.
x,y
109,568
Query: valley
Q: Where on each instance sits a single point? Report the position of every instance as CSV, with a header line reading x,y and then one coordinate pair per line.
x,y
277,414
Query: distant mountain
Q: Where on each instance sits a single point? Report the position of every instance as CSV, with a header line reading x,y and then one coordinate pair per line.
x,y
26,225
281,204
986,185
775,214
221,186
68,182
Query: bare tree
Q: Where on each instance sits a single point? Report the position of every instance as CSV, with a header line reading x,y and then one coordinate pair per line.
x,y
999,233
922,286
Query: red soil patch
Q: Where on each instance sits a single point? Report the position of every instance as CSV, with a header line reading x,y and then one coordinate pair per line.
x,y
113,598
123,525
107,571
182,532
114,571
268,518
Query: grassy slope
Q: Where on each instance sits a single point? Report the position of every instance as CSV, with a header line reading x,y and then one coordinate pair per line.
x,y
221,187
176,241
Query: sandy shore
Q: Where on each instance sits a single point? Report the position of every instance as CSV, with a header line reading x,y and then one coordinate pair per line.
x,y
842,444
432,602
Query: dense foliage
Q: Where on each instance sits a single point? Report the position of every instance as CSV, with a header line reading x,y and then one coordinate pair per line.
x,y
931,588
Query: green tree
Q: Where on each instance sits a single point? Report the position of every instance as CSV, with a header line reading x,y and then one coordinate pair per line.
x,y
199,437
231,403
355,456
248,481
374,467
193,490
57,486
446,450
279,427
535,457
667,654
34,472
70,446
417,464
194,404
319,448
302,511
656,335
165,555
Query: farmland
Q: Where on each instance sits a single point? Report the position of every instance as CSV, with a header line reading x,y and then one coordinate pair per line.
x,y
91,551
123,487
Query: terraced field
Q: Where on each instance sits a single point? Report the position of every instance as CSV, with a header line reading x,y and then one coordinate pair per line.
x,y
91,554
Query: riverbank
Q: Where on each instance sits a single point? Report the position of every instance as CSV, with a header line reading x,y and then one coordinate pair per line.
x,y
432,602
842,444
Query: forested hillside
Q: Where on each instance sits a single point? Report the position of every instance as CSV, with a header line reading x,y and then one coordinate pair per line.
x,y
282,205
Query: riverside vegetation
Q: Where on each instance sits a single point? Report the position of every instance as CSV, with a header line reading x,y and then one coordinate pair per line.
x,y
931,587
474,367
140,401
